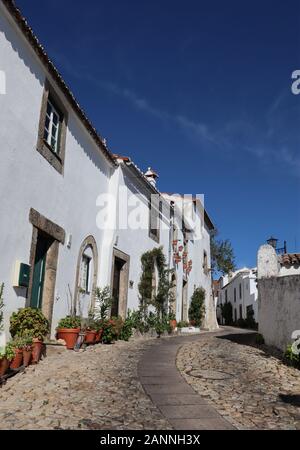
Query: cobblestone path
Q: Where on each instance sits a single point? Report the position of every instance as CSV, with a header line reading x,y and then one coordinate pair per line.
x,y
247,386
95,389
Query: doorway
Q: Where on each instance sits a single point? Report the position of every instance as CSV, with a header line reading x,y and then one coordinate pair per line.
x,y
184,301
119,283
43,244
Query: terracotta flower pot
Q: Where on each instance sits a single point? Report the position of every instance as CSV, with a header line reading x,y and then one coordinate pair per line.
x,y
173,324
36,350
99,336
26,357
69,335
17,361
90,337
4,365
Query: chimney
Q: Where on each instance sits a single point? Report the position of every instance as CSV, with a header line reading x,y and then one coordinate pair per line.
x,y
151,176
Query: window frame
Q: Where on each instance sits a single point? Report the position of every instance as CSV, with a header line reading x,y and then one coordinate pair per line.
x,y
55,158
154,233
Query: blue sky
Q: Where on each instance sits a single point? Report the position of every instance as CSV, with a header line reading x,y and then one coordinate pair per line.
x,y
201,91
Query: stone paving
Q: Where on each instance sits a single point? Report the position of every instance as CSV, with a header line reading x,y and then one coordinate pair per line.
x,y
95,389
249,387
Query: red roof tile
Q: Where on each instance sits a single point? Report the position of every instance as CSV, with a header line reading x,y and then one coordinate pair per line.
x,y
290,259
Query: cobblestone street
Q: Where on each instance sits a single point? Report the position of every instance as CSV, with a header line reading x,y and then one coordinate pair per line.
x,y
95,389
248,387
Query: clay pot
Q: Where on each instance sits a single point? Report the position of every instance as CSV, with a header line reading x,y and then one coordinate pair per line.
x,y
17,361
98,336
26,357
69,335
90,337
36,350
4,365
173,324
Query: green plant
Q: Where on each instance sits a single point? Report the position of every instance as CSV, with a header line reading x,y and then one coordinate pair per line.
x,y
259,339
197,307
109,332
103,303
29,321
69,322
9,352
163,295
291,357
222,255
1,307
126,331
118,324
226,310
182,324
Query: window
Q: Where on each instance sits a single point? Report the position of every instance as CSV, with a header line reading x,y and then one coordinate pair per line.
x,y
241,312
226,296
240,291
234,294
155,215
205,264
85,273
52,127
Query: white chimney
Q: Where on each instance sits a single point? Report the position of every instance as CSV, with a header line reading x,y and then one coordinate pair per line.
x,y
151,176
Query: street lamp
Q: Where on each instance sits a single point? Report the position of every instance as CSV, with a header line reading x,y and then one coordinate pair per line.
x,y
273,242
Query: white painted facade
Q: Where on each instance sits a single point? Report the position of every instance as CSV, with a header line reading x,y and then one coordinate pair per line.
x,y
240,289
73,200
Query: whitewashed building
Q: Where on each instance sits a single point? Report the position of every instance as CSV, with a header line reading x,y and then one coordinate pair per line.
x,y
240,289
278,296
57,176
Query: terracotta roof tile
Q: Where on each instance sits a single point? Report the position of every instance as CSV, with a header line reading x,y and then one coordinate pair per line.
x,y
290,259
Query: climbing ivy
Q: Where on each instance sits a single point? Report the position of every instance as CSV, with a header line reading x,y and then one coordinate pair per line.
x,y
164,294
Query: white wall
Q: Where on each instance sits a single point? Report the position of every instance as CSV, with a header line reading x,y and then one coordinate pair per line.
x,y
279,309
27,180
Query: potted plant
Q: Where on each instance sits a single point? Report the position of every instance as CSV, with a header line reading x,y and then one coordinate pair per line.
x,y
172,320
68,329
102,306
30,321
17,345
5,357
109,335
27,349
91,329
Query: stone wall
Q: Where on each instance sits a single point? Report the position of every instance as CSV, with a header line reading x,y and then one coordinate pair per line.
x,y
279,309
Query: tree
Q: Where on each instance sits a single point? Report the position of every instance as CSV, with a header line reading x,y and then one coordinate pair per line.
x,y
222,256
197,307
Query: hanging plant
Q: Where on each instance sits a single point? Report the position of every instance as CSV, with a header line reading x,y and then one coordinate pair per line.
x,y
180,248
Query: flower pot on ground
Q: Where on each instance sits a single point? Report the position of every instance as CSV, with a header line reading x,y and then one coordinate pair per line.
x,y
99,335
37,346
90,337
68,329
27,350
4,365
173,323
5,358
17,360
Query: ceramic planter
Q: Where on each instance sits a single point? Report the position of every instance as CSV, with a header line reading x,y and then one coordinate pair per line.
x,y
90,337
4,365
69,335
173,324
26,357
99,336
36,350
18,359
